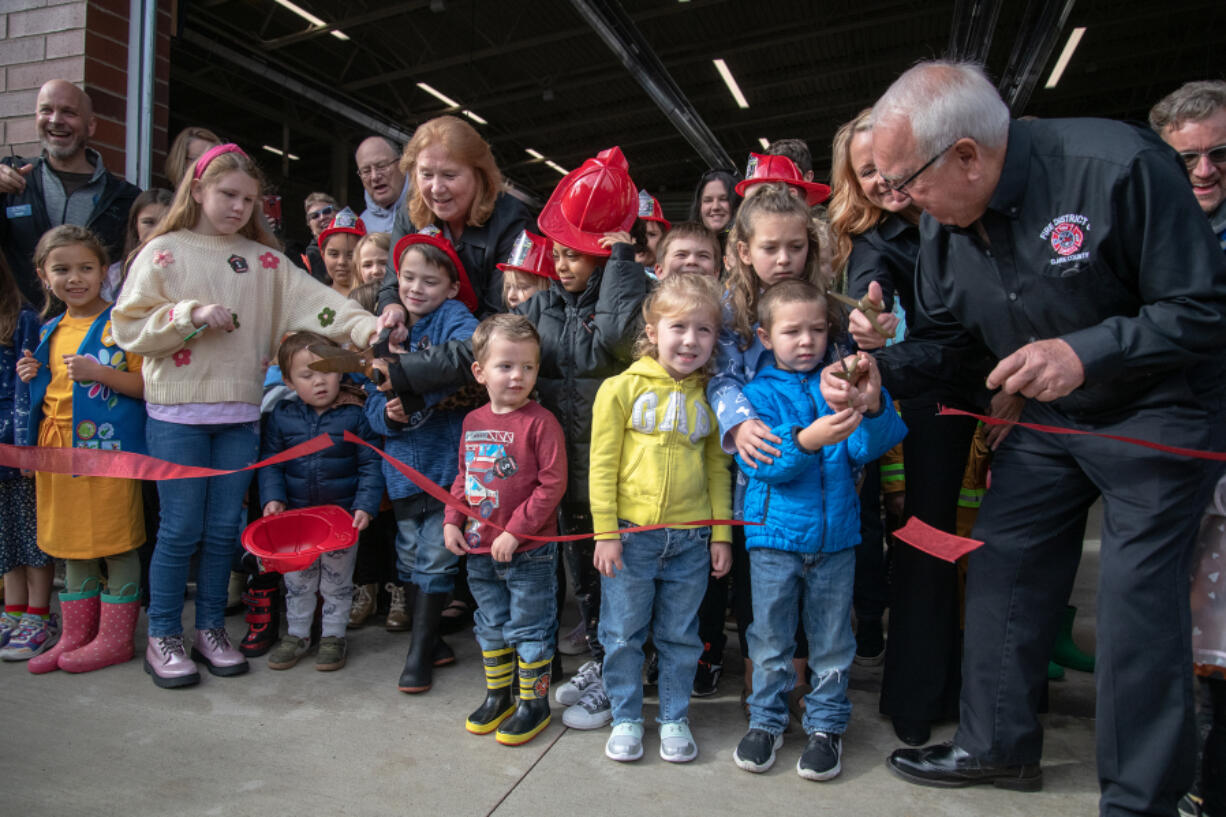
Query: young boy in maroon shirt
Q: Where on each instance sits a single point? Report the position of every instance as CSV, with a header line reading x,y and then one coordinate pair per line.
x,y
513,473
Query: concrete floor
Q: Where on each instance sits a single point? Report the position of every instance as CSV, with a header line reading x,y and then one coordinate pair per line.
x,y
348,743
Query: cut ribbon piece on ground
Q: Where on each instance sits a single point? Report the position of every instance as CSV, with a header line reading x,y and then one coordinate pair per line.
x,y
935,542
92,462
1195,453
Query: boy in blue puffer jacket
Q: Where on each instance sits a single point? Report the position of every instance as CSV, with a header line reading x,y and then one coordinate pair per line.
x,y
347,474
438,300
802,557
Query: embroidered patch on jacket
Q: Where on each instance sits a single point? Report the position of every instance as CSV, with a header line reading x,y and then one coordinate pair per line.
x,y
183,357
163,258
269,261
238,263
1067,234
326,316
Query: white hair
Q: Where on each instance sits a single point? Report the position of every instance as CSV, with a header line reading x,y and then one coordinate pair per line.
x,y
945,101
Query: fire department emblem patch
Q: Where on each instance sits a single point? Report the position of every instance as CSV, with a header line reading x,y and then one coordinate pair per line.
x,y
1066,238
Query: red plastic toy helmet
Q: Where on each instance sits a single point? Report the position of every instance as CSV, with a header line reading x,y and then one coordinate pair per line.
x,y
531,254
780,169
343,222
649,210
293,540
467,295
597,198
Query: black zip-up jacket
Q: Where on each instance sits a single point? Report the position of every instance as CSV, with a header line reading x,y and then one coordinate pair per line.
x,y
480,249
24,219
1094,237
585,338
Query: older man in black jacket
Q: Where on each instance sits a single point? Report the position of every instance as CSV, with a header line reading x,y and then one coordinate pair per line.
x,y
1074,252
67,184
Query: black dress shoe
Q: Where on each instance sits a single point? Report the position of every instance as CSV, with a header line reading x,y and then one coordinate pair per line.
x,y
946,766
912,732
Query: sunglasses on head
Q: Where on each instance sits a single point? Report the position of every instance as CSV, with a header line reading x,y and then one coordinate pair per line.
x,y
323,212
1191,158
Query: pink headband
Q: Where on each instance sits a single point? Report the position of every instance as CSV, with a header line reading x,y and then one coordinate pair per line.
x,y
212,153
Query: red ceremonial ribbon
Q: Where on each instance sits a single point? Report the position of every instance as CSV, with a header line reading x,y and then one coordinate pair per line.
x,y
444,496
1170,449
92,462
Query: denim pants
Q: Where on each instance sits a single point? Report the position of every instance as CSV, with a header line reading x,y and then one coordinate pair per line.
x,y
331,575
421,556
516,603
820,585
204,513
660,588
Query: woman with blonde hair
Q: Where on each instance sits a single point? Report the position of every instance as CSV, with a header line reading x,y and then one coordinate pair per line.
x,y
457,190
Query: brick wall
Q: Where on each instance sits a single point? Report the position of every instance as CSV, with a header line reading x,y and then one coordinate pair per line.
x,y
85,42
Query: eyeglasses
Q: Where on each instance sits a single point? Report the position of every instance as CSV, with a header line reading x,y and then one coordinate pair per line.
x,y
322,212
377,167
901,187
1191,158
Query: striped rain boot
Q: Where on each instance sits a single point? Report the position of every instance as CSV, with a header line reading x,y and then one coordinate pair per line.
x,y
498,706
532,713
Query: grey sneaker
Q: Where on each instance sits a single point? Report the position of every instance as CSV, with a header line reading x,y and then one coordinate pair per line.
x,y
287,652
626,742
677,743
569,693
332,652
592,711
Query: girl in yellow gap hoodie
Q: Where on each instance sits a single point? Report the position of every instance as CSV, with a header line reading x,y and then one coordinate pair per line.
x,y
656,459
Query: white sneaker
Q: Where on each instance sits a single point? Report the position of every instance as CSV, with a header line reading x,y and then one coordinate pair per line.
x,y
569,693
677,743
626,742
592,711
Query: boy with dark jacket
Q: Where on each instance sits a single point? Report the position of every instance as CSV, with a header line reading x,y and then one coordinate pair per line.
x,y
346,474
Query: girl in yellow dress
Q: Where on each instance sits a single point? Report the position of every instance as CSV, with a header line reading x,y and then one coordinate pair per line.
x,y
88,392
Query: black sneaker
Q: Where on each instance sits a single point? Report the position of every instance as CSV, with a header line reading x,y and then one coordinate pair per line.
x,y
756,751
706,679
822,757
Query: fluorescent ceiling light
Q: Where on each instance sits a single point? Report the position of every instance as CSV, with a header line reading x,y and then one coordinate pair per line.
x,y
310,18
534,154
730,81
439,95
278,151
1067,54
764,142
474,117
557,167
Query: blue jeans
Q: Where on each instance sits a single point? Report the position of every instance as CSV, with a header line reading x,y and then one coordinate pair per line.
x,y
421,556
821,583
516,602
202,512
661,588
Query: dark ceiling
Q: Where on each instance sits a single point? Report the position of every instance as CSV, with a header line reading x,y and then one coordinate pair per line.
x,y
543,79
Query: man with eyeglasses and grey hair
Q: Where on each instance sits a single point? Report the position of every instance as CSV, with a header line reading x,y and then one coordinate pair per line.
x,y
384,183
1192,120
1072,251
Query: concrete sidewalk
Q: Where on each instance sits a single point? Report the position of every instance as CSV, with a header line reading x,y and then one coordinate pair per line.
x,y
348,743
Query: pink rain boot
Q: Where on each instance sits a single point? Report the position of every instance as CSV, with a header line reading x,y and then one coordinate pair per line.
x,y
80,614
113,644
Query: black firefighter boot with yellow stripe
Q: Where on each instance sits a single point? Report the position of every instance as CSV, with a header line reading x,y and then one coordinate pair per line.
x,y
498,705
532,713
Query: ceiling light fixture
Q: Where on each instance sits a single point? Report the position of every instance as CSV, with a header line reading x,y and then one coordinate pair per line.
x,y
279,152
474,117
557,167
535,154
439,95
1067,54
764,142
310,18
730,81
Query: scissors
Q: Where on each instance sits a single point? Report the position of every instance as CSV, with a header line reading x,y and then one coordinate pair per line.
x,y
849,373
870,309
334,359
